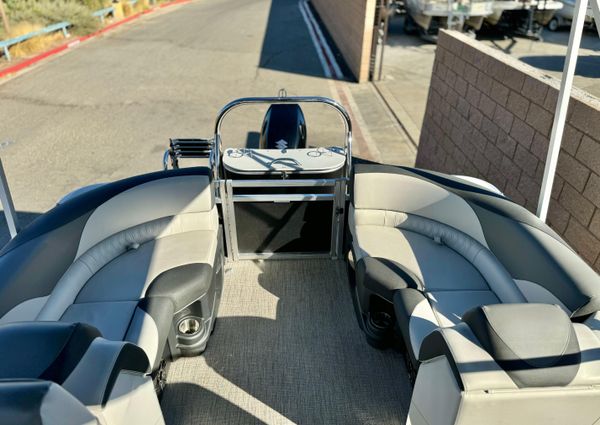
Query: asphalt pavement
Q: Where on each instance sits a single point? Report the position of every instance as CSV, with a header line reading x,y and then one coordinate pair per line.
x,y
107,109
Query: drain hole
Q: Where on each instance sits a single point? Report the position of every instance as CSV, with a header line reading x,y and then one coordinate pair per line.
x,y
381,320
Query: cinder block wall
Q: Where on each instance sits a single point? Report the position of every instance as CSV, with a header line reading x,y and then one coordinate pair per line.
x,y
350,24
490,116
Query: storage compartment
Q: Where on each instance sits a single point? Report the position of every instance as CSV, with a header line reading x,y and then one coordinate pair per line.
x,y
291,227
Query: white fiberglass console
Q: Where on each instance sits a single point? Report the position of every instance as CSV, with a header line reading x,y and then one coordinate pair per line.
x,y
282,162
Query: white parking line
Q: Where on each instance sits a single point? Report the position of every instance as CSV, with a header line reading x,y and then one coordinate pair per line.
x,y
324,52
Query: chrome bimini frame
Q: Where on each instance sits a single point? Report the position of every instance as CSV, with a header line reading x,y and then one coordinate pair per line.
x,y
281,100
227,198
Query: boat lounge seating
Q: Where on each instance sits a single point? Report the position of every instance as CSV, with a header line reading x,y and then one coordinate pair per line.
x,y
41,402
78,377
132,258
509,363
435,247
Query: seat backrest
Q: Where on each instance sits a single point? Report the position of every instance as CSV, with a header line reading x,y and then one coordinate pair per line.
x,y
75,239
543,266
379,193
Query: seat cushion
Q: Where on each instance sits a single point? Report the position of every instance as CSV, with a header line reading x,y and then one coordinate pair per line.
x,y
436,266
419,313
141,266
535,344
119,300
450,272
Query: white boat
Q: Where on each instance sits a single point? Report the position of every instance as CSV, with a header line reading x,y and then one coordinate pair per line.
x,y
461,15
523,17
564,16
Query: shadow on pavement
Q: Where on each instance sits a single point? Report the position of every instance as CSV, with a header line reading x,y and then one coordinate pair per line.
x,y
287,45
587,65
397,36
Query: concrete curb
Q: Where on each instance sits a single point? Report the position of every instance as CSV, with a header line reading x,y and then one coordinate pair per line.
x,y
75,42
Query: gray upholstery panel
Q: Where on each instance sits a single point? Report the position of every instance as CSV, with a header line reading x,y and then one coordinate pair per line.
x,y
110,318
384,277
403,193
40,403
33,269
67,289
537,256
473,367
139,267
415,319
21,356
150,326
93,378
25,311
434,264
589,344
496,276
147,202
534,343
449,306
536,293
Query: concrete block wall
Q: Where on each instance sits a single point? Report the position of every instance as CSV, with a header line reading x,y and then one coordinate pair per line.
x,y
350,24
490,116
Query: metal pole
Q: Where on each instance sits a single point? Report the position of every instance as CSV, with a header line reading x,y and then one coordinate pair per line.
x,y
7,204
5,21
596,14
388,12
562,106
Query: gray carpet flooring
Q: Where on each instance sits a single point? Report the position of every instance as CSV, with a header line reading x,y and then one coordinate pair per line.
x,y
287,349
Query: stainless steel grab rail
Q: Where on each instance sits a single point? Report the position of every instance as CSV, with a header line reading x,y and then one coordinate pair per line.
x,y
280,100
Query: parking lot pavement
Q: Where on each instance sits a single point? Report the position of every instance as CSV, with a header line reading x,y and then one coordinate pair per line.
x,y
107,109
409,60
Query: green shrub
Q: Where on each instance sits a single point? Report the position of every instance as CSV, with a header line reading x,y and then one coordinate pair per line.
x,y
46,12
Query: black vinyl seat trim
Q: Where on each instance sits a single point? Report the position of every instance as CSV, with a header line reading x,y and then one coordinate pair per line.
x,y
75,347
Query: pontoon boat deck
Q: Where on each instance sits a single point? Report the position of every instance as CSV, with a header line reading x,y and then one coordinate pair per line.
x,y
295,284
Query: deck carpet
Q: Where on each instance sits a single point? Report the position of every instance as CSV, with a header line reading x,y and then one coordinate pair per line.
x,y
287,349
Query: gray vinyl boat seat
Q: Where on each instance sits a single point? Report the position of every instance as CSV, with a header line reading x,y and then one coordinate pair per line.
x,y
57,373
130,258
509,364
428,247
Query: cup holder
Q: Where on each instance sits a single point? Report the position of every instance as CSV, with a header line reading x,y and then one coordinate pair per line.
x,y
189,326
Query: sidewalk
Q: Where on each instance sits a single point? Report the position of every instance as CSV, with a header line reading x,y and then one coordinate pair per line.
x,y
386,140
408,63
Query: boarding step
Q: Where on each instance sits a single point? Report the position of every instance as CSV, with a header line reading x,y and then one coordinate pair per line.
x,y
187,149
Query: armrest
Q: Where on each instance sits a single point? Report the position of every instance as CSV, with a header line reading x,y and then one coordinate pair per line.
x,y
40,402
94,377
63,345
385,276
73,355
473,367
509,346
